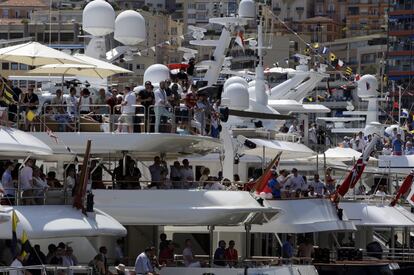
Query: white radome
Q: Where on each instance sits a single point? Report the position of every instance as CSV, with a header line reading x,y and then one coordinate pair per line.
x,y
130,28
98,18
247,9
235,79
237,95
368,86
156,73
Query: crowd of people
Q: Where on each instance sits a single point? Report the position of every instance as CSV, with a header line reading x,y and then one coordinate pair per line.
x,y
34,183
58,255
147,262
174,105
292,185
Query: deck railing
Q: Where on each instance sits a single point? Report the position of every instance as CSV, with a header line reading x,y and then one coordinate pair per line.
x,y
106,118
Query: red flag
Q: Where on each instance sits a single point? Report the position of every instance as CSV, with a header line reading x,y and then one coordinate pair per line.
x,y
260,184
240,40
355,174
395,105
406,185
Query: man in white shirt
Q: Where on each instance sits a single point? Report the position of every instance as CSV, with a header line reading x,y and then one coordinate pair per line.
x,y
72,102
161,102
296,181
143,264
187,174
188,255
128,110
312,134
26,181
293,129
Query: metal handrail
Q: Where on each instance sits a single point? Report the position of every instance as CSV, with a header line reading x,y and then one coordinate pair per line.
x,y
49,268
62,115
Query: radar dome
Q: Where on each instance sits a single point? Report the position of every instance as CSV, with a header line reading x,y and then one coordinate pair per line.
x,y
237,95
130,28
235,79
156,73
98,18
368,86
247,9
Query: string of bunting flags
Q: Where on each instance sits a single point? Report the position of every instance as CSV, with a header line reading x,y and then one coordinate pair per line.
x,y
334,61
329,57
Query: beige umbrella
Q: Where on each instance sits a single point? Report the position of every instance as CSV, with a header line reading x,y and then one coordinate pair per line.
x,y
36,54
95,68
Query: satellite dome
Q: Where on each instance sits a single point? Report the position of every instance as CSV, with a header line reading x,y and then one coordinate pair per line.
x,y
130,28
98,18
368,86
247,9
235,79
237,95
156,73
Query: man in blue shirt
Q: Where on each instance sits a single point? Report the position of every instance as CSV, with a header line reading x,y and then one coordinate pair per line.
x,y
143,264
219,254
274,185
7,180
397,146
287,248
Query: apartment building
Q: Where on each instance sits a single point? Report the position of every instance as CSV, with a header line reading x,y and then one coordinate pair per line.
x,y
20,9
366,17
400,59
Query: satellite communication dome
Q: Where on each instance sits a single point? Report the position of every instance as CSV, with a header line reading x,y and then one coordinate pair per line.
x,y
130,28
368,86
238,96
156,73
98,18
235,79
247,9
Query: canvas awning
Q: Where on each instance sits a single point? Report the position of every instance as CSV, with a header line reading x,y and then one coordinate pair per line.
x,y
59,221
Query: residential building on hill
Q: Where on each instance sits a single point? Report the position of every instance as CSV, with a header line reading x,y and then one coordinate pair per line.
x,y
400,67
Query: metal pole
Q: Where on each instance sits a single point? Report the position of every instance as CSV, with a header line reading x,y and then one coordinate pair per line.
x,y
399,105
263,159
211,233
247,253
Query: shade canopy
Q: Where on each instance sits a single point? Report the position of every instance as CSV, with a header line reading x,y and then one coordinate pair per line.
x,y
14,142
92,68
201,207
291,150
36,54
103,66
296,217
58,221
376,214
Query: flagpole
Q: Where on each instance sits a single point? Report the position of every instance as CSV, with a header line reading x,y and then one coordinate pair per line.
x,y
399,105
